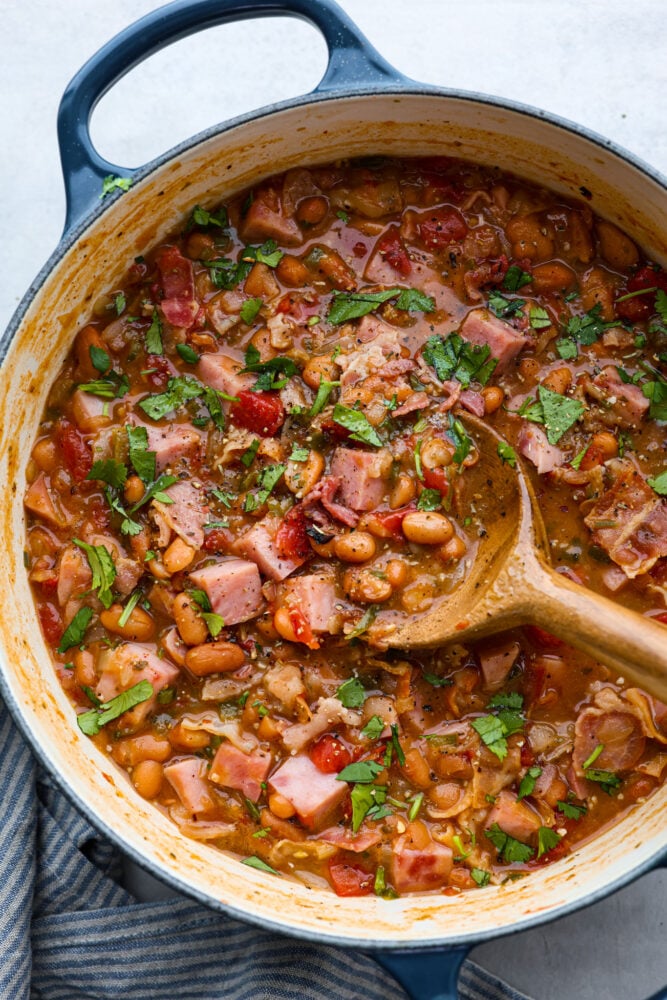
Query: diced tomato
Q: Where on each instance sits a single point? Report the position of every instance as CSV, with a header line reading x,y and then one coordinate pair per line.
x,y
436,479
593,457
349,880
216,540
391,247
176,273
329,754
260,412
642,305
292,538
661,617
442,226
49,619
158,371
527,755
49,586
76,451
295,305
539,637
391,520
335,431
302,629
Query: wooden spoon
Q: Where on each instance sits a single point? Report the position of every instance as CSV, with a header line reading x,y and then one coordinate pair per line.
x,y
510,582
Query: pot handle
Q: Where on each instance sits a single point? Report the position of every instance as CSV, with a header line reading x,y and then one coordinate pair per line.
x,y
430,975
352,60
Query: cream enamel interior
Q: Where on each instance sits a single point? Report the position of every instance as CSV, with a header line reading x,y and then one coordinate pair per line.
x,y
317,132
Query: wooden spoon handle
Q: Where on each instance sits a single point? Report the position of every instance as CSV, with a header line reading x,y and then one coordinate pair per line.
x,y
633,645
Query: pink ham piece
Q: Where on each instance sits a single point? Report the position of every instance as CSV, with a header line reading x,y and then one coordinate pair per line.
x,y
74,575
619,733
265,220
313,795
179,305
624,405
172,445
232,768
356,842
259,545
186,515
324,491
39,500
222,372
91,412
233,587
419,863
315,596
514,817
471,401
188,779
416,401
532,443
629,521
363,476
483,328
496,662
125,666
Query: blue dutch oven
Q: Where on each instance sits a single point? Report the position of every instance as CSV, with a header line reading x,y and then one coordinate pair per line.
x,y
362,106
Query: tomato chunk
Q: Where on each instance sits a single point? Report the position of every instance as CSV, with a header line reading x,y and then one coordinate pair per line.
x,y
260,412
442,226
76,451
49,619
350,880
391,247
329,754
292,538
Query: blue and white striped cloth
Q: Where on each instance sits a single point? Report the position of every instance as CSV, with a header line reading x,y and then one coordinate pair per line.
x,y
70,931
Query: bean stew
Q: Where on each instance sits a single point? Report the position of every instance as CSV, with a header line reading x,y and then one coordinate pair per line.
x,y
250,471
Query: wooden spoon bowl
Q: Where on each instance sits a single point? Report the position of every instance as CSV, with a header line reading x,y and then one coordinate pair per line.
x,y
510,582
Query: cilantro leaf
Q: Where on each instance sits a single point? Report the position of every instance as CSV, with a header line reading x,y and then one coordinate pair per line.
x,y
363,772
103,569
559,412
248,456
570,810
109,471
358,423
112,386
510,850
547,839
480,876
267,254
324,390
156,491
502,307
200,217
266,482
254,862
214,623
400,756
527,785
249,310
588,328
492,733
462,442
226,273
373,728
454,358
436,681
656,392
179,390
503,699
516,278
367,801
661,305
186,352
154,335
607,780
268,370
352,305
429,500
74,633
413,300
141,459
298,454
91,722
659,483
351,693
567,349
100,360
539,318
364,622
507,453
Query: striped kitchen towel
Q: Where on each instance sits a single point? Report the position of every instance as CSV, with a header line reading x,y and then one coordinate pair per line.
x,y
70,931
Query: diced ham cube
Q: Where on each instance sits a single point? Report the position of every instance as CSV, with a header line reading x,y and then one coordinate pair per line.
x,y
496,662
357,842
232,768
514,816
265,220
471,401
233,587
174,444
74,575
125,666
39,500
532,442
314,795
188,779
315,596
419,863
186,515
90,411
221,372
482,327
259,544
624,405
363,476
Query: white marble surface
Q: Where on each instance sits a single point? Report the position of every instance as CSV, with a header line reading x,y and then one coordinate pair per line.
x,y
599,63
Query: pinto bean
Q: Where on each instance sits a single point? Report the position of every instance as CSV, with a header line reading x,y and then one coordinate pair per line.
x,y
134,489
416,769
616,248
280,806
134,749
529,238
312,211
453,550
261,283
139,626
320,367
217,657
84,668
147,778
355,547
362,585
529,368
554,276
45,454
436,453
178,556
493,397
402,492
300,477
292,272
188,739
559,380
427,527
396,571
191,626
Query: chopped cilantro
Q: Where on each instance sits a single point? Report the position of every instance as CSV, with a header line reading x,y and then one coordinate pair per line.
x,y
268,253
346,306
594,756
412,300
254,862
358,423
298,454
527,785
91,722
179,390
557,413
214,623
507,453
249,310
343,216
509,850
226,273
413,812
186,352
480,876
567,349
570,810
129,607
436,681
454,358
539,318
511,699
503,307
588,328
429,500
200,217
248,456
103,569
516,278
111,386
141,458
659,483
462,442
373,728
364,622
607,780
547,839
493,730
109,471
351,693
363,772
656,392
324,390
156,492
268,370
154,335
400,756
100,360
75,631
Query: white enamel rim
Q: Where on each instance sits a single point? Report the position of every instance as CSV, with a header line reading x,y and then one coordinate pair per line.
x,y
308,131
